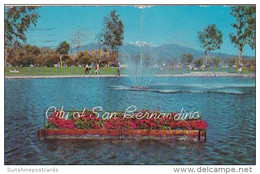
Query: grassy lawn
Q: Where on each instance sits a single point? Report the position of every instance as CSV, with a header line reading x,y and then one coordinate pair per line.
x,y
38,71
49,71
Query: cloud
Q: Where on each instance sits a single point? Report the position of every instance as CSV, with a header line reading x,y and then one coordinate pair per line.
x,y
204,5
42,29
48,41
143,6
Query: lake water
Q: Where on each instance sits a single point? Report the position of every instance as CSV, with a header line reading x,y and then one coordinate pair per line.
x,y
227,104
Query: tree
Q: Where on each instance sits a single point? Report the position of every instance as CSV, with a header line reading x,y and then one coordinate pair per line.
x,y
83,58
63,50
210,61
51,59
245,28
76,39
24,55
98,56
183,58
210,40
112,35
216,61
186,58
198,62
252,63
231,61
245,61
175,62
17,21
101,55
189,58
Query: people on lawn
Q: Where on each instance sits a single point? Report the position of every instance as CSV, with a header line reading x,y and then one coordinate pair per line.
x,y
97,69
87,69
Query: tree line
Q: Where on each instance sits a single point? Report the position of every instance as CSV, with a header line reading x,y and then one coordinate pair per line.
x,y
217,61
211,37
19,18
26,55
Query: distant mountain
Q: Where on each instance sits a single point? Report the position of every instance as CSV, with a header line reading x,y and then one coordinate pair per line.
x,y
164,51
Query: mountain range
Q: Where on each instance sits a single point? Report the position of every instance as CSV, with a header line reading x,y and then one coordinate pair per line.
x,y
164,51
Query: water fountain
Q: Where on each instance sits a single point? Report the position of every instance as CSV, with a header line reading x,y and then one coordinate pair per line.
x,y
139,71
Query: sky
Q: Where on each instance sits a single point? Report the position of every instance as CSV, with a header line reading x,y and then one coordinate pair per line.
x,y
154,24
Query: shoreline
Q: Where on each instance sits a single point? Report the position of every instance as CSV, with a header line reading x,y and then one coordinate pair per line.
x,y
193,74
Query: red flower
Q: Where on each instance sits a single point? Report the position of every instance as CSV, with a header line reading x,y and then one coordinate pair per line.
x,y
93,122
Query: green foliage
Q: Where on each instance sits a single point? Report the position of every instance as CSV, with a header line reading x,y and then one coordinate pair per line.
x,y
113,32
216,61
50,125
231,61
80,124
210,38
245,26
51,59
24,55
210,61
17,21
112,35
63,48
175,61
186,58
252,63
83,58
198,62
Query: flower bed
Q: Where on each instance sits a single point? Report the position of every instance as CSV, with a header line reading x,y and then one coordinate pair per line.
x,y
88,121
89,125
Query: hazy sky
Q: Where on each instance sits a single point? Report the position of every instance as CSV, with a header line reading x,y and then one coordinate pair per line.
x,y
161,24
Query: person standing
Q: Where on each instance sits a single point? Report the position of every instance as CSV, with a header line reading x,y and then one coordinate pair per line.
x,y
118,71
97,69
86,69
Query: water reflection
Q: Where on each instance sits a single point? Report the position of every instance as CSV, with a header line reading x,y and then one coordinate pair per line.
x,y
231,119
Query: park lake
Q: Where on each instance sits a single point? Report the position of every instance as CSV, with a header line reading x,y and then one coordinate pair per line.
x,y
162,59
226,103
